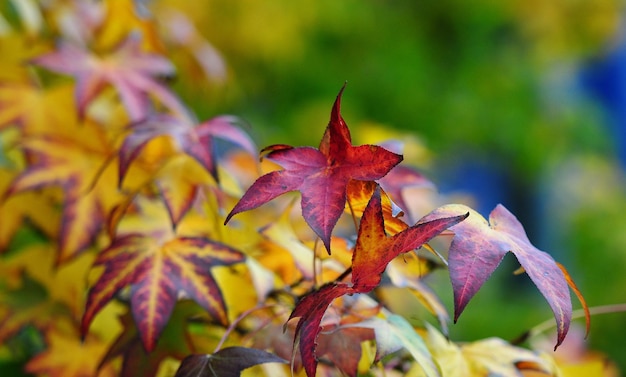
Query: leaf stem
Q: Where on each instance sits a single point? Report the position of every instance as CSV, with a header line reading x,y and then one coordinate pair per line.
x,y
356,225
579,313
234,324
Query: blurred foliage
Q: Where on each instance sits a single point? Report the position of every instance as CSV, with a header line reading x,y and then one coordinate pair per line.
x,y
481,79
484,76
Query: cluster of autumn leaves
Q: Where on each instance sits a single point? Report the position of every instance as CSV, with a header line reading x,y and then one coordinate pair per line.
x,y
116,252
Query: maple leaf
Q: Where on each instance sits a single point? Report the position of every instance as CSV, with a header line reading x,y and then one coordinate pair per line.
x,y
35,110
74,164
16,49
129,70
22,306
359,194
195,140
479,246
175,342
158,269
321,175
227,362
486,357
123,18
37,208
373,251
67,356
310,309
342,346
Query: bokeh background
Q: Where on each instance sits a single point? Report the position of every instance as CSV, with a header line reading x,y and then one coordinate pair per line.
x,y
514,102
520,102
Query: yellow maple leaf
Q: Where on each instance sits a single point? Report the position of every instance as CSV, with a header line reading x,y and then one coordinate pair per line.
x,y
16,49
74,163
481,358
32,206
124,17
35,110
66,355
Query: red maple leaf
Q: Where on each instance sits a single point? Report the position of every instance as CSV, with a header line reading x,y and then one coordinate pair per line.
x,y
158,270
373,251
128,69
479,246
321,175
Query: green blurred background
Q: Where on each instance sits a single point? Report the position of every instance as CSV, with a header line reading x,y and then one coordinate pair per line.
x,y
514,102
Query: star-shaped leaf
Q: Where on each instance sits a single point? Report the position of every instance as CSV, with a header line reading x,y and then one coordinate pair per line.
x,y
36,207
67,356
479,246
128,69
373,251
321,175
159,267
486,357
359,194
74,164
342,346
176,342
227,362
35,110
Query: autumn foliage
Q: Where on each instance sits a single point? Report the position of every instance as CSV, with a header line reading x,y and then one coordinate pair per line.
x,y
139,240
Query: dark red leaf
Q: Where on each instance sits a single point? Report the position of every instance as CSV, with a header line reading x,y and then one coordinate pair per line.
x,y
227,362
321,175
310,310
373,251
343,347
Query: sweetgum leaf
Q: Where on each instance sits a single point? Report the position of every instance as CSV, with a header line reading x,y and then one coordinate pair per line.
x,y
128,69
157,271
176,342
35,110
227,362
479,246
311,309
67,356
359,194
321,175
74,164
486,357
342,347
14,210
373,251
